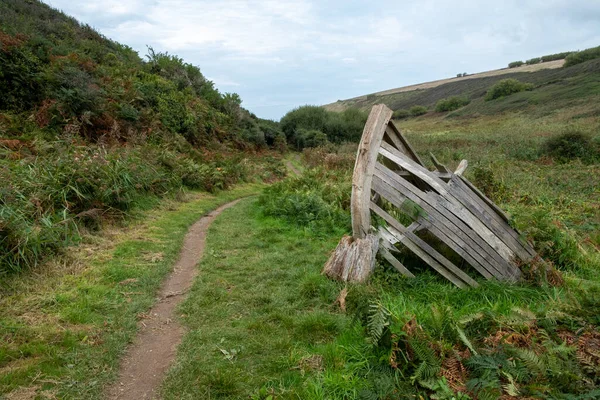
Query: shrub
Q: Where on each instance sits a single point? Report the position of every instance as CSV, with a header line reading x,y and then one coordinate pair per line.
x,y
415,111
557,56
515,64
582,56
337,127
318,199
506,87
532,61
401,114
570,145
451,103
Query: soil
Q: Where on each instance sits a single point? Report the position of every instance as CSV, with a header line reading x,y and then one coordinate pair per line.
x,y
152,351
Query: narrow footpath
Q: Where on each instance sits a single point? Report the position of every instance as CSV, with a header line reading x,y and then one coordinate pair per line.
x,y
153,350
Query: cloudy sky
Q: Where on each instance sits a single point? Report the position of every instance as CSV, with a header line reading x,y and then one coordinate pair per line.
x,y
279,54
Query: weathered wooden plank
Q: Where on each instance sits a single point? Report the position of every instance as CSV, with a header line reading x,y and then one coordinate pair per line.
x,y
461,168
438,165
410,151
395,263
492,220
440,230
366,158
437,207
485,199
423,250
442,189
450,230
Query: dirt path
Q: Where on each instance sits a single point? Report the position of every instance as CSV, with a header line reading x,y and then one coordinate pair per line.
x,y
292,168
151,353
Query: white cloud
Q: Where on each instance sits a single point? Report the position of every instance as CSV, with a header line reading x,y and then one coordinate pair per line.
x,y
292,52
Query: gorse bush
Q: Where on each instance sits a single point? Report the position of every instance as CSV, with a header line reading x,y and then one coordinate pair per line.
x,y
451,103
415,111
401,114
515,64
581,56
557,56
533,61
337,127
570,145
506,87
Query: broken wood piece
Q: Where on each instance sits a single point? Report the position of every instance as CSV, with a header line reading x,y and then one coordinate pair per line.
x,y
353,259
461,167
444,203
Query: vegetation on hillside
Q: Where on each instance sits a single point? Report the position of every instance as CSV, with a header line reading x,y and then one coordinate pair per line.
x,y
506,87
89,130
422,337
311,126
451,104
555,88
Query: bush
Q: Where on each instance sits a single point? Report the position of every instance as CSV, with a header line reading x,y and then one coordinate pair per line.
x,y
401,114
582,56
557,56
415,111
506,87
318,200
532,61
515,64
451,103
570,145
337,127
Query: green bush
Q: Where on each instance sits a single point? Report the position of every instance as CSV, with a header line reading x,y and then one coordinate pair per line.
x,y
415,111
317,200
338,127
451,103
401,114
506,87
515,64
582,56
557,56
570,145
532,61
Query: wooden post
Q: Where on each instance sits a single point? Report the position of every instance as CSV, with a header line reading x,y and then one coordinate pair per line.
x,y
364,167
354,258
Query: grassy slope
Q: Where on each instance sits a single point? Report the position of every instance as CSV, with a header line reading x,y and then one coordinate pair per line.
x,y
555,88
64,328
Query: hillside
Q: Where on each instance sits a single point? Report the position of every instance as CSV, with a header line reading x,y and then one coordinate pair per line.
x,y
89,130
554,87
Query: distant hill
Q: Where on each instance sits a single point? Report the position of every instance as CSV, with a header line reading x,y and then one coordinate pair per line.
x,y
554,86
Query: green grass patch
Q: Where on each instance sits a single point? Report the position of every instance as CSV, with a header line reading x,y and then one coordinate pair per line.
x,y
65,328
257,311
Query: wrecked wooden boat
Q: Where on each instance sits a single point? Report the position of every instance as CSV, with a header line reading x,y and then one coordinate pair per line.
x,y
391,182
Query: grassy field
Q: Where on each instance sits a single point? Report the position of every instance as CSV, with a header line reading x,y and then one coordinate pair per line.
x,y
65,325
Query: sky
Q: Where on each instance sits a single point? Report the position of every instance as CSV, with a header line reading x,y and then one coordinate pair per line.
x,y
281,54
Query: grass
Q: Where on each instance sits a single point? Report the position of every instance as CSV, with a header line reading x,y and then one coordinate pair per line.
x,y
257,311
65,325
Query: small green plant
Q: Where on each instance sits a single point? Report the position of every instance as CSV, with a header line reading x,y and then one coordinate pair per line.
x,y
451,103
532,61
506,87
415,111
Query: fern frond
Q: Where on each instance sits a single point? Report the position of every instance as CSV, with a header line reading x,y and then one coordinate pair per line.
x,y
379,319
